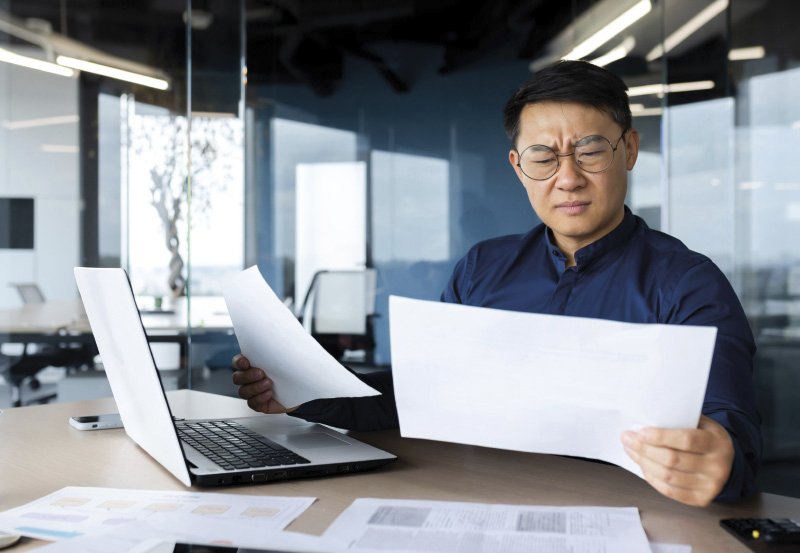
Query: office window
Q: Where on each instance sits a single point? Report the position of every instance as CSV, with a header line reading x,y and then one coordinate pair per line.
x,y
161,219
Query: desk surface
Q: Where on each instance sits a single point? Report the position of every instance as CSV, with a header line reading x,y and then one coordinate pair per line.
x,y
41,453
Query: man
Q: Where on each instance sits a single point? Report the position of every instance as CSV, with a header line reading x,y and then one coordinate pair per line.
x,y
572,148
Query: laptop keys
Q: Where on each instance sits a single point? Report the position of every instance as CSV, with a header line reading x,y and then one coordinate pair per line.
x,y
232,446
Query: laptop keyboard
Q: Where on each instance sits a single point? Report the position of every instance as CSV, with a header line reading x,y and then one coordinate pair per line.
x,y
233,446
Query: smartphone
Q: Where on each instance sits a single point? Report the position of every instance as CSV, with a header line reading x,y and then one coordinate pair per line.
x,y
96,422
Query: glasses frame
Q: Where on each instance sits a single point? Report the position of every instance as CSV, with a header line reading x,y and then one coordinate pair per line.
x,y
559,156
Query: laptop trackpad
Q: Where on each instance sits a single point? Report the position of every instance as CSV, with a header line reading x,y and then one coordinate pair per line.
x,y
310,440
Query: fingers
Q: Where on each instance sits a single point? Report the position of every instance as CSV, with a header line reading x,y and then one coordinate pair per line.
x,y
688,465
663,456
678,438
248,376
240,362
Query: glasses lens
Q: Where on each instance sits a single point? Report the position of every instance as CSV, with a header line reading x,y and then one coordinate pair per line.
x,y
594,154
538,162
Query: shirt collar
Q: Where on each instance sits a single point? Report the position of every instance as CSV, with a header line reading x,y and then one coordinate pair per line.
x,y
594,251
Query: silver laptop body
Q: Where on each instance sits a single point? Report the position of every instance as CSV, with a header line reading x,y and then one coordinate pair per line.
x,y
313,449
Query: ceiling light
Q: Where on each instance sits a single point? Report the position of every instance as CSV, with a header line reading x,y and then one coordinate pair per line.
x,y
795,125
40,122
661,89
33,63
609,31
687,29
113,72
750,53
751,185
644,112
615,54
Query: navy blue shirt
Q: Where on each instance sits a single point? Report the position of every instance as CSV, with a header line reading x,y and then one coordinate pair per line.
x,y
638,275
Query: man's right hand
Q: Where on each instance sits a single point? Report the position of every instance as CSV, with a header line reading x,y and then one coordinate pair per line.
x,y
256,387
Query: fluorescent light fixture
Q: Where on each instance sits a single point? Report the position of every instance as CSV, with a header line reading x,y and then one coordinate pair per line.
x,y
795,125
636,107
41,122
33,63
113,72
688,29
749,53
786,186
645,112
59,149
751,185
639,10
616,53
661,89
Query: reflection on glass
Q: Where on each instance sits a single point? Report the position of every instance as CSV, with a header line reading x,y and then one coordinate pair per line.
x,y
410,207
331,220
158,198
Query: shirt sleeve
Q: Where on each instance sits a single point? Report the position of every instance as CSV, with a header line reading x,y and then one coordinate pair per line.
x,y
703,296
356,413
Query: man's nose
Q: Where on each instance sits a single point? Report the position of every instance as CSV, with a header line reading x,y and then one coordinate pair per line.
x,y
569,176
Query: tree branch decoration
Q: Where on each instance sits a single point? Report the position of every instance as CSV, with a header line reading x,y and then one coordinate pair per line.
x,y
176,186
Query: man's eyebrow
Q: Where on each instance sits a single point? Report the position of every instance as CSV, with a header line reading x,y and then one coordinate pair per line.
x,y
589,139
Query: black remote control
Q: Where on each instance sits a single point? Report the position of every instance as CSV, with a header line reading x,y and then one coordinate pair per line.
x,y
769,535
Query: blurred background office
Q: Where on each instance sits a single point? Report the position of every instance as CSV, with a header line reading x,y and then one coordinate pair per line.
x,y
354,149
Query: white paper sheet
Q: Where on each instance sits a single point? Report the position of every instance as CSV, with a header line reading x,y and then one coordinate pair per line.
x,y
142,539
208,517
439,526
273,339
542,383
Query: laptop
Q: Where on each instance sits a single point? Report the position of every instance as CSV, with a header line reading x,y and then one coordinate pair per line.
x,y
209,452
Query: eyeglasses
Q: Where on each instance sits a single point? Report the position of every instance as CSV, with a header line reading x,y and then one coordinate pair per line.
x,y
593,154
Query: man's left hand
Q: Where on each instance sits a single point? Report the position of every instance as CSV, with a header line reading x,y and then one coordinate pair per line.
x,y
688,465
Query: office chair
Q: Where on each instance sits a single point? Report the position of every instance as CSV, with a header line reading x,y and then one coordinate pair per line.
x,y
338,311
36,357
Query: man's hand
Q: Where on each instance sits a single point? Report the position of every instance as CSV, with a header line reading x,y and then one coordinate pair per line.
x,y
688,465
256,387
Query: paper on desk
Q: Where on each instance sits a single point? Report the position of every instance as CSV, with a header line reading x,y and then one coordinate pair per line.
x,y
77,511
273,339
141,539
439,526
542,383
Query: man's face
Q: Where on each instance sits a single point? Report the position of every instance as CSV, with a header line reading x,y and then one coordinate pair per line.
x,y
579,207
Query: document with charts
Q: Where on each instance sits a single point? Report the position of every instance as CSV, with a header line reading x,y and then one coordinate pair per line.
x,y
207,517
542,383
402,526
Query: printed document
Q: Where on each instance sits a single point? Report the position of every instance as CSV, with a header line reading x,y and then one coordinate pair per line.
x,y
273,339
135,539
542,383
439,526
73,512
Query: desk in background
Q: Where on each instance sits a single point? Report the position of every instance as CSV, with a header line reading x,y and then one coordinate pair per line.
x,y
41,453
63,324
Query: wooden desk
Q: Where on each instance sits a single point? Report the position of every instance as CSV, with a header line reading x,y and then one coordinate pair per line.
x,y
40,453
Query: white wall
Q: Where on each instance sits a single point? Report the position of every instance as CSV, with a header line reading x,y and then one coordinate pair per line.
x,y
51,178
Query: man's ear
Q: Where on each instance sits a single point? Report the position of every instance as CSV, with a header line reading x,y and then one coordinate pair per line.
x,y
631,148
513,159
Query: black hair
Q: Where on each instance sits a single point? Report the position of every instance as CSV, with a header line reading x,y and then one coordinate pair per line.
x,y
578,82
